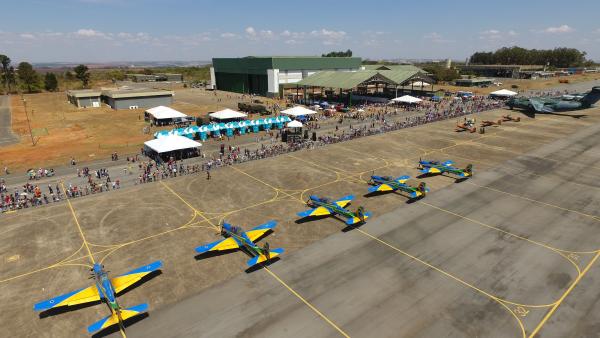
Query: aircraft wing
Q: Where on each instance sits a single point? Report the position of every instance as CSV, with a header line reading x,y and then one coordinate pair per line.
x,y
222,245
402,179
381,187
260,230
320,211
448,163
344,201
124,281
81,296
430,170
537,105
113,319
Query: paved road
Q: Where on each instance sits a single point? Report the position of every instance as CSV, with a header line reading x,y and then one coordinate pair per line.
x,y
6,135
445,266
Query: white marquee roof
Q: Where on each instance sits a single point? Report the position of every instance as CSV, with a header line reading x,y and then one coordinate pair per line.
x,y
162,112
227,114
298,111
407,99
171,143
503,92
294,124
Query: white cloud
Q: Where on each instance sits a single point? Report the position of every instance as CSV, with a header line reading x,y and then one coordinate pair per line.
x,y
329,37
286,33
494,35
90,33
436,37
27,36
559,29
250,31
228,35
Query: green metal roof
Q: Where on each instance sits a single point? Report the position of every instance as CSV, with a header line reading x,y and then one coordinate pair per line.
x,y
349,80
392,67
260,64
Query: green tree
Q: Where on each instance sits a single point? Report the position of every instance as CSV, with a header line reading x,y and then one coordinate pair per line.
x,y
347,53
4,74
28,76
50,82
82,74
558,57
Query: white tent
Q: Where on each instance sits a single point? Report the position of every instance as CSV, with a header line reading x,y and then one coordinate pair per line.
x,y
298,111
171,143
162,112
420,84
226,114
407,99
294,124
503,92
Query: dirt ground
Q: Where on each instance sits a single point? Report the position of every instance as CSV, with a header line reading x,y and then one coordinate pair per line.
x,y
44,254
87,134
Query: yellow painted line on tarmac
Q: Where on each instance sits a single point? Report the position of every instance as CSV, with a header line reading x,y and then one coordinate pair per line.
x,y
535,201
553,309
329,321
198,212
496,299
78,225
558,251
265,268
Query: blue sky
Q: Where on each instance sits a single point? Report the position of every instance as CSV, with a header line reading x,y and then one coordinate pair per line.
x,y
148,30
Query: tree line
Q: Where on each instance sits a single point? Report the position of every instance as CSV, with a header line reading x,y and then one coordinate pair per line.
x,y
561,57
25,78
347,53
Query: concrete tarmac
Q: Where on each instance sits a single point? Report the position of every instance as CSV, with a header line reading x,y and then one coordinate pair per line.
x,y
493,256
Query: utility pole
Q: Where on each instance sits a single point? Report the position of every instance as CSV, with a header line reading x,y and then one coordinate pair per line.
x,y
28,123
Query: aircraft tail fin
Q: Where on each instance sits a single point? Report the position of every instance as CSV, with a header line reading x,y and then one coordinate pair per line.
x,y
592,97
265,256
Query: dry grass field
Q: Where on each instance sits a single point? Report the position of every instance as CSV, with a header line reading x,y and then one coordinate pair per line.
x,y
88,133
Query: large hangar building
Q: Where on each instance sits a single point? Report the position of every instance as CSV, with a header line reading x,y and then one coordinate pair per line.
x,y
268,75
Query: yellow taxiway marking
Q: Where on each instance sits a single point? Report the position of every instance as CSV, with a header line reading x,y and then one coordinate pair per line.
x,y
496,299
558,251
307,303
553,309
535,201
78,225
265,268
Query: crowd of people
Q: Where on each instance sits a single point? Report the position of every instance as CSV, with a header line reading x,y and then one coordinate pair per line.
x,y
369,119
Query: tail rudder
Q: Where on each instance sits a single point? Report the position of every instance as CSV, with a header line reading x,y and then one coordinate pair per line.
x,y
469,170
592,97
422,188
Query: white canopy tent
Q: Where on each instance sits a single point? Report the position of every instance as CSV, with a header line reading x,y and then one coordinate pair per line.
x,y
162,112
294,124
298,111
407,99
171,143
503,93
227,114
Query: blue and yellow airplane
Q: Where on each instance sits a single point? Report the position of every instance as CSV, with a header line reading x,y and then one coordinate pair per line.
x,y
388,183
236,238
435,167
324,206
104,289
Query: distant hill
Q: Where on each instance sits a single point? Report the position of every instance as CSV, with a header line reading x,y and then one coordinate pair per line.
x,y
122,64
